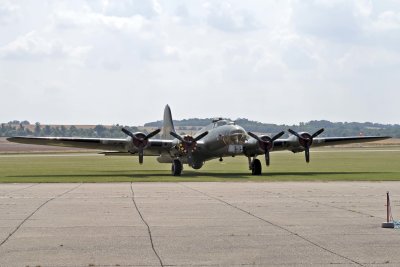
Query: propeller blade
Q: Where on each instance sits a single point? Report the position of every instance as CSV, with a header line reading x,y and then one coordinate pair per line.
x,y
267,160
254,136
127,132
150,135
140,143
190,158
317,133
294,133
307,153
140,156
177,136
277,136
201,136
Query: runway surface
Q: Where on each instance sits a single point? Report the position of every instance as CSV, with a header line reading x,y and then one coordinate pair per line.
x,y
198,224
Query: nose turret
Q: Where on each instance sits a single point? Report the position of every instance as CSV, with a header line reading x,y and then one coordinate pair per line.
x,y
237,136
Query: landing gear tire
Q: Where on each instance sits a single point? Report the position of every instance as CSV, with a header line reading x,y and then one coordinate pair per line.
x,y
177,167
256,167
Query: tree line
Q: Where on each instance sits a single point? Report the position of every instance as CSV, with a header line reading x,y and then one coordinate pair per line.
x,y
331,128
17,128
24,128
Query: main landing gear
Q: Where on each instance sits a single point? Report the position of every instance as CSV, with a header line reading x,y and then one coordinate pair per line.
x,y
255,166
177,167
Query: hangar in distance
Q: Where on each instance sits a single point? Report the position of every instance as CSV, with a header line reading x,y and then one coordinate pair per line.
x,y
221,138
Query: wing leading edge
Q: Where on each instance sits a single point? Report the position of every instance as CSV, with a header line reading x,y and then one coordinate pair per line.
x,y
89,143
332,141
288,143
293,144
154,148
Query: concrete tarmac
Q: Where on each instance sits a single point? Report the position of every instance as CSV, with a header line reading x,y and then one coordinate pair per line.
x,y
198,224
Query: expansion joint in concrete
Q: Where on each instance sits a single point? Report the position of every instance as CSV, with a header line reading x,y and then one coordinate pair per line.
x,y
20,189
274,224
34,212
148,227
326,205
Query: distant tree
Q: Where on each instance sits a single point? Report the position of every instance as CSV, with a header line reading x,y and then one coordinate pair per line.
x,y
38,129
28,132
73,131
55,131
21,130
16,127
100,130
64,131
47,130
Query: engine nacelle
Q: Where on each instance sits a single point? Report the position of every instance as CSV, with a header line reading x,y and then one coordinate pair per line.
x,y
297,150
304,141
270,145
301,143
197,164
137,142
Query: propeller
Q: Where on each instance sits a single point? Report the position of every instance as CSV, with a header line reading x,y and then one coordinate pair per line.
x,y
188,144
266,143
140,140
305,140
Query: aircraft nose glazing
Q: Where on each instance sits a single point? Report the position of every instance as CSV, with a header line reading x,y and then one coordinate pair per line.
x,y
237,136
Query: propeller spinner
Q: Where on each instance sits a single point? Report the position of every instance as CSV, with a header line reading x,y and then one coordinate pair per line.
x,y
140,140
266,143
188,144
306,140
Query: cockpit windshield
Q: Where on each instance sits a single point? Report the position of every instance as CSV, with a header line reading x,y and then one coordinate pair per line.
x,y
221,123
217,123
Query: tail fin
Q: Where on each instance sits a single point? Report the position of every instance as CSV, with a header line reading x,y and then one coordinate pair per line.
x,y
168,125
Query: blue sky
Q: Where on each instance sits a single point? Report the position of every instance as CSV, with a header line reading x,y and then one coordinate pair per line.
x,y
98,61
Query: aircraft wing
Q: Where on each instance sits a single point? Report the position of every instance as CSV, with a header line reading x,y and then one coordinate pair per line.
x,y
89,143
292,143
332,141
154,147
289,143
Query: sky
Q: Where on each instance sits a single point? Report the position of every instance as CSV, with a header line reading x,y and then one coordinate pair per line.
x,y
273,61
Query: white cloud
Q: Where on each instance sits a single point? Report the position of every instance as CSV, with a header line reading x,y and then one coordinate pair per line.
x,y
388,20
263,59
9,12
80,20
146,8
363,8
34,47
330,20
225,17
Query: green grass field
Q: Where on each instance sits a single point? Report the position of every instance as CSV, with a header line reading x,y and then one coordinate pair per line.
x,y
327,165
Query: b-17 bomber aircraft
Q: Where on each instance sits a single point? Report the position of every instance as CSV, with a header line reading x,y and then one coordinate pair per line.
x,y
221,138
